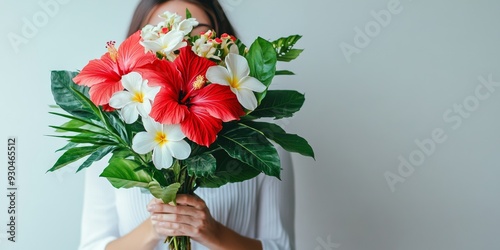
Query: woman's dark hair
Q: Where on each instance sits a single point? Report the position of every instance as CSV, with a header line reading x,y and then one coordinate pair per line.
x,y
213,9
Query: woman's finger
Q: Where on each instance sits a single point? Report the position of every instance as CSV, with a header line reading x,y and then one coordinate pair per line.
x,y
191,200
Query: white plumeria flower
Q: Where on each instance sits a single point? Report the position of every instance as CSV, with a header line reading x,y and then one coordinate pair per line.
x,y
149,32
166,141
203,48
170,19
186,25
166,44
236,76
136,99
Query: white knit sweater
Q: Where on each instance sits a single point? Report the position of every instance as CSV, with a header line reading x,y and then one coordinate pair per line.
x,y
260,208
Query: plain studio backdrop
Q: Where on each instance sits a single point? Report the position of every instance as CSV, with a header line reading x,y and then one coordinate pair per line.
x,y
402,108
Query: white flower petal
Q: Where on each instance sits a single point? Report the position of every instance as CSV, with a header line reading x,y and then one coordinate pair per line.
x,y
246,98
144,108
132,81
252,83
218,75
152,45
143,143
186,25
150,92
151,125
162,157
173,132
130,113
233,49
179,149
119,99
237,66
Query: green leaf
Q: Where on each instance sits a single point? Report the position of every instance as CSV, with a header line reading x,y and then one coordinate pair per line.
x,y
70,124
96,156
62,129
120,173
284,48
117,126
65,93
289,142
89,138
72,155
188,14
229,170
262,62
68,146
279,104
241,47
284,73
201,165
252,148
121,153
86,121
166,194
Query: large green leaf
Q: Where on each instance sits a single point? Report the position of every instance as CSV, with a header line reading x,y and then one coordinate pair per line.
x,y
65,94
284,48
252,148
96,156
279,104
289,142
262,62
166,194
201,165
72,155
229,170
121,174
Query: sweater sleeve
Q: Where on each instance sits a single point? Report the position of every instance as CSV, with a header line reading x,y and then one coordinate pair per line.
x,y
99,218
275,222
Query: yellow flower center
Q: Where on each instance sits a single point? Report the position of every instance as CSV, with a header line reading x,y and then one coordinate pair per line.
x,y
161,138
199,82
234,83
138,97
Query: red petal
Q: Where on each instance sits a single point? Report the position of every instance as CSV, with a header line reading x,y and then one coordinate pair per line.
x,y
102,92
219,101
190,66
132,55
166,108
161,73
98,71
200,127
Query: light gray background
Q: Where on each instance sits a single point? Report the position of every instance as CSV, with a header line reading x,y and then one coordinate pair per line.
x,y
359,116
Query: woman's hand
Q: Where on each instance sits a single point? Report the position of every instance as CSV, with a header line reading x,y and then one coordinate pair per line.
x,y
190,217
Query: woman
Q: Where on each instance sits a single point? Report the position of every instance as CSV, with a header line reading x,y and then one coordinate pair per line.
x,y
246,215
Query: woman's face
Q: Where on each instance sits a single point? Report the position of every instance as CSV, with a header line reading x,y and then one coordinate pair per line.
x,y
180,7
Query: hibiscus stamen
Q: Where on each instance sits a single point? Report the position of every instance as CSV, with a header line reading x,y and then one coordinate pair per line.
x,y
199,82
113,52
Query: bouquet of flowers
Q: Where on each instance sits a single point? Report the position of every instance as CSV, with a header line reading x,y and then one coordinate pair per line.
x,y
177,111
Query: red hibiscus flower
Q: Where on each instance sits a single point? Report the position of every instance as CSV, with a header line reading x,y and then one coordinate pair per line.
x,y
103,76
186,98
